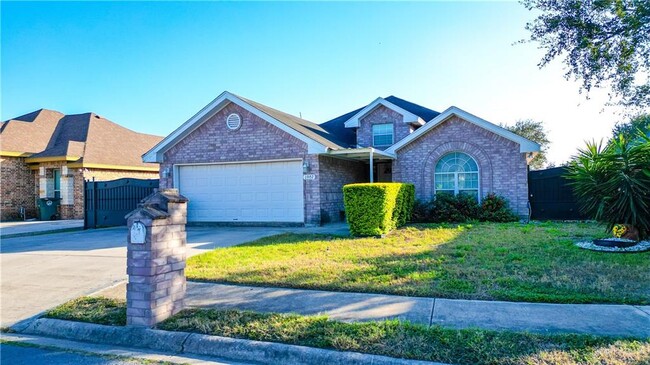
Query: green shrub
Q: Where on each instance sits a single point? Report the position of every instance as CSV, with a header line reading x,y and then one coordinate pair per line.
x,y
447,208
612,183
377,208
404,205
421,211
494,208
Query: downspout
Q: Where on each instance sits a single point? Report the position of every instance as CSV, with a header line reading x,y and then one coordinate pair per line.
x,y
371,175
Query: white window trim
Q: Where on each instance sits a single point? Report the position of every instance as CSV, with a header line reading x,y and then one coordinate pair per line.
x,y
392,134
525,145
456,190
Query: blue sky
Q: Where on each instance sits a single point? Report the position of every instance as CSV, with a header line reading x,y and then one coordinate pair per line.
x,y
151,65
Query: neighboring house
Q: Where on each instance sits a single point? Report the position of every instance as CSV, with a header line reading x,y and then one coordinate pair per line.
x,y
240,161
49,154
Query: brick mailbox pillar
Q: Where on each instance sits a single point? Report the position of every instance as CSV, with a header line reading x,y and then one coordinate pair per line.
x,y
156,247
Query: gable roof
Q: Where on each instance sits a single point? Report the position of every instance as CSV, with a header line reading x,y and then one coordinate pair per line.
x,y
83,138
407,116
423,112
337,127
309,129
317,138
525,145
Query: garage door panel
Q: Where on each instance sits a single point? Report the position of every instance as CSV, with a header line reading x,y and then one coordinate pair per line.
x,y
252,192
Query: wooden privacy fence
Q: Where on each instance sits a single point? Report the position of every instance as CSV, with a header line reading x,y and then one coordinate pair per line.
x,y
551,196
107,202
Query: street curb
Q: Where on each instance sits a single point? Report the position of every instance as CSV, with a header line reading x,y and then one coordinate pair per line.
x,y
40,233
206,345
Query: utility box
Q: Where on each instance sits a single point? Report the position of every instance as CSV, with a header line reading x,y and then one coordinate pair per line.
x,y
49,208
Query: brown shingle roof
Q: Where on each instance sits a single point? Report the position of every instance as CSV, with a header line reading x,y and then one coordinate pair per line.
x,y
95,139
29,133
305,127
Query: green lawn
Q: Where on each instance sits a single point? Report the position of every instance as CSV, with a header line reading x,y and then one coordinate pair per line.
x,y
389,338
511,261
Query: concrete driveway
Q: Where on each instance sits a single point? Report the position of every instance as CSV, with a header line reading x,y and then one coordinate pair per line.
x,y
40,272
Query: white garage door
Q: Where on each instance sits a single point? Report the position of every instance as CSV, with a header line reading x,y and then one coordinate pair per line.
x,y
248,192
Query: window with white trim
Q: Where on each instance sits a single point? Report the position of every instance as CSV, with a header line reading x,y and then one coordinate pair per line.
x,y
457,173
382,134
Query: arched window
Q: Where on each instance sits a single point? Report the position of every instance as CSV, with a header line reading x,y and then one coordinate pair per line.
x,y
457,173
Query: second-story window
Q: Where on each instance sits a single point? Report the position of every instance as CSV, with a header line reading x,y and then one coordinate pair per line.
x,y
382,134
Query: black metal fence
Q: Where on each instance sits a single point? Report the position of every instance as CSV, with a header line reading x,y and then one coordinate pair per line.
x,y
551,196
107,202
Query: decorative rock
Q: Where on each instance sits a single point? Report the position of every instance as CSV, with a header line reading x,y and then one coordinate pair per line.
x,y
639,247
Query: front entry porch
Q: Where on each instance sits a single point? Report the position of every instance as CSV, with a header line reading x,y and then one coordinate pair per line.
x,y
379,163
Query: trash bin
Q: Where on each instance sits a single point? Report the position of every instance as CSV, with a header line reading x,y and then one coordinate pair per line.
x,y
48,208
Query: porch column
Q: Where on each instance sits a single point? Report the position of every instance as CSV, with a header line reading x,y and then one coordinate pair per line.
x,y
372,180
67,186
45,185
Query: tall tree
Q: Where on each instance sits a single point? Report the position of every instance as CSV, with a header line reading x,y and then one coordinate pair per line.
x,y
605,44
630,129
535,132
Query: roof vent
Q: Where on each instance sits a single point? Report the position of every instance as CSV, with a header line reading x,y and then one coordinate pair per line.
x,y
233,122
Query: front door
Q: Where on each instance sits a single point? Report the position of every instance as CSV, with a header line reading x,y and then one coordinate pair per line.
x,y
383,172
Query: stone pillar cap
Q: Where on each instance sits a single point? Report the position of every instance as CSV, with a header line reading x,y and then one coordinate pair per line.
x,y
164,196
150,212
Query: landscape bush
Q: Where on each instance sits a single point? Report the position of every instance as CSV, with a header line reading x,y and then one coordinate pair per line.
x,y
447,208
612,183
494,208
377,208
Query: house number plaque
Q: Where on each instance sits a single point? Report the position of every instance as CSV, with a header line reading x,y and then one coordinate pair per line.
x,y
138,232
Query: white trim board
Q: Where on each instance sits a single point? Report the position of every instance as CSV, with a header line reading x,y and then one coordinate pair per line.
x,y
407,117
156,153
525,145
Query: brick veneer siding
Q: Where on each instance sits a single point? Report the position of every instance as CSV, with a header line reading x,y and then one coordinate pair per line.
x,y
381,115
255,140
503,169
334,173
17,188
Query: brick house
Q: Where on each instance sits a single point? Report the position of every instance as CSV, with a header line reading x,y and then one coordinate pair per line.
x,y
48,154
241,161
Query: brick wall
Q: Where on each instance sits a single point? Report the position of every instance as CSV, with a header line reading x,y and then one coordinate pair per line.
x,y
381,115
255,140
334,173
503,169
17,188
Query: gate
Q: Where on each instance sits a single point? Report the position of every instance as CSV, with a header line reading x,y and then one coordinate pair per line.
x,y
107,202
551,196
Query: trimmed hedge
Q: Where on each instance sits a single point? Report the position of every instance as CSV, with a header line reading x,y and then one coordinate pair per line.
x,y
374,209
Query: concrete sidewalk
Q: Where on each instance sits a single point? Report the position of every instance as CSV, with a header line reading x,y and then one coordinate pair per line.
x,y
596,319
15,229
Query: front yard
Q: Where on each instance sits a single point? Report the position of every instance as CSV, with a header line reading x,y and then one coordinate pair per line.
x,y
516,262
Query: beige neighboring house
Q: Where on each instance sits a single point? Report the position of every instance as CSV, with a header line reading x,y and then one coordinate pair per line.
x,y
49,154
